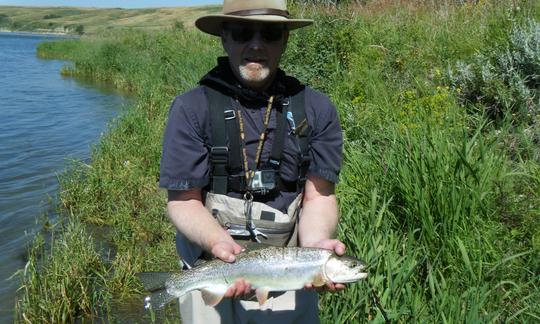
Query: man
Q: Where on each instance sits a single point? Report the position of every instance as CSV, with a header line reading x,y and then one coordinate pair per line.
x,y
242,153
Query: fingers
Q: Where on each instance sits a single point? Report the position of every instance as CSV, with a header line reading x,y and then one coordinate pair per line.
x,y
329,244
339,247
237,248
226,251
330,286
334,287
239,288
223,251
335,245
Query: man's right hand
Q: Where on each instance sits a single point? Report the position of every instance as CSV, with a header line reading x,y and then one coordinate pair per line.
x,y
227,251
191,218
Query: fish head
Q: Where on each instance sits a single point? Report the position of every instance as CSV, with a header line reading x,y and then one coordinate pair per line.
x,y
344,269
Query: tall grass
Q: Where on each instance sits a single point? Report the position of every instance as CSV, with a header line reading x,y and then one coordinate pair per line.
x,y
441,203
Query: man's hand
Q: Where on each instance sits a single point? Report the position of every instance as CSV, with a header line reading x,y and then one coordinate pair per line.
x,y
226,251
191,218
339,249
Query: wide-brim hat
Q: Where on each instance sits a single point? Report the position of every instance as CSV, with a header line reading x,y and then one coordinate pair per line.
x,y
263,11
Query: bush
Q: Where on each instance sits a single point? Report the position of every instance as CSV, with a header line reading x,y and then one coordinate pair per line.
x,y
504,82
51,16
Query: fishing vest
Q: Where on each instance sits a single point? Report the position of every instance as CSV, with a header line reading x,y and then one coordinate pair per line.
x,y
275,227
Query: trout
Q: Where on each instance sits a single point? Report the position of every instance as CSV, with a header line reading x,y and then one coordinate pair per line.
x,y
266,269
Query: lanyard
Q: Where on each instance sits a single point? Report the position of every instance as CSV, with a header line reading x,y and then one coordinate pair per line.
x,y
250,173
248,197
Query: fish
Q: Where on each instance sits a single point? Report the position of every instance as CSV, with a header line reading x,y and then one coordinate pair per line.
x,y
267,269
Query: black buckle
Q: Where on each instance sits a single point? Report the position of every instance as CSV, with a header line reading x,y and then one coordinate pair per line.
x,y
305,160
219,154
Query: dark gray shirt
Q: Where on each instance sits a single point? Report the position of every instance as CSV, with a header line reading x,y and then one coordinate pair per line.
x,y
185,161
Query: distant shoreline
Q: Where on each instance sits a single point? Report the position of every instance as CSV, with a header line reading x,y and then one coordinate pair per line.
x,y
2,30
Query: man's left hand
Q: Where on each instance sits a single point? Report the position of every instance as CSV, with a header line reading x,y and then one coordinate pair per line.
x,y
339,249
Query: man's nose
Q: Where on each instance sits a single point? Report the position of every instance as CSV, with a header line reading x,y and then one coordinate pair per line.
x,y
256,41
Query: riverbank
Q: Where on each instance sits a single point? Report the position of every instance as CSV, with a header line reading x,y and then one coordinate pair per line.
x,y
37,32
438,194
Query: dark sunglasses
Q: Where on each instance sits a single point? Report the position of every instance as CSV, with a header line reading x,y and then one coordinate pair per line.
x,y
245,33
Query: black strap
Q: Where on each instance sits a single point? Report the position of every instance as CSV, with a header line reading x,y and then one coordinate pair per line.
x,y
225,149
225,155
279,136
302,132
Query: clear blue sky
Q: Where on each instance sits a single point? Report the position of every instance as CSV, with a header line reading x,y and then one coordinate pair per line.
x,y
110,3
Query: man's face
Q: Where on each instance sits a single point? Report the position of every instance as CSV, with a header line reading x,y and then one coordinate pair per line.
x,y
254,51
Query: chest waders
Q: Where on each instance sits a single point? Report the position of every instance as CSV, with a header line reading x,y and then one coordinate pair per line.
x,y
246,219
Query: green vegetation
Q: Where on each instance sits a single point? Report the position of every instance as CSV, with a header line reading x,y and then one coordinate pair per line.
x,y
440,196
93,20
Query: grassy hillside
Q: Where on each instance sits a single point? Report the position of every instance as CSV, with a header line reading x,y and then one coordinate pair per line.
x,y
93,20
440,190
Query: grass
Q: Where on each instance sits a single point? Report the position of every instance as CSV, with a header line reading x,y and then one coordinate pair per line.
x,y
441,201
95,20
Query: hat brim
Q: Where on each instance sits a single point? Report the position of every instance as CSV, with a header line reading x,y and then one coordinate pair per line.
x,y
212,24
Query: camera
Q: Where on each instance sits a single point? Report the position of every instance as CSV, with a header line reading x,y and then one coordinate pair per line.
x,y
263,182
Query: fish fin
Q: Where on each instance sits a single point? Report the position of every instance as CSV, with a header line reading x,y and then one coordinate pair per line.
x,y
212,297
153,281
158,299
262,295
319,280
184,264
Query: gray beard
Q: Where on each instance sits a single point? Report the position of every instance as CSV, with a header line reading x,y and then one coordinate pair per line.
x,y
254,76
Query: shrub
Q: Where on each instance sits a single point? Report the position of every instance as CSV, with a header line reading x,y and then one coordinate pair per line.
x,y
51,16
505,82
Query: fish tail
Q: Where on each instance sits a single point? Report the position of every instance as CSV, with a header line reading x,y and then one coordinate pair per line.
x,y
155,282
158,299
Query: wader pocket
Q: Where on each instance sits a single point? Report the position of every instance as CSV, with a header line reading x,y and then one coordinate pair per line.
x,y
279,228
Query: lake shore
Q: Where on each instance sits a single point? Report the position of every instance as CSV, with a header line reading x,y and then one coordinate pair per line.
x,y
36,32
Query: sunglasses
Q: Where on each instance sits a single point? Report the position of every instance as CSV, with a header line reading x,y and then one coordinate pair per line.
x,y
244,33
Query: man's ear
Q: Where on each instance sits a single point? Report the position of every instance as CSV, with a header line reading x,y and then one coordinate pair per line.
x,y
225,43
285,39
224,40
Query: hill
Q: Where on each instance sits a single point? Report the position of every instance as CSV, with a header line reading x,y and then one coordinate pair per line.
x,y
73,20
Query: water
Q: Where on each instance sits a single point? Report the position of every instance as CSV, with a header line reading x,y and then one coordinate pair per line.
x,y
44,121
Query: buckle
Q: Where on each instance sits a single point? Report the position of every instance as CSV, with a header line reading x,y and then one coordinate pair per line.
x,y
274,163
305,159
219,154
229,114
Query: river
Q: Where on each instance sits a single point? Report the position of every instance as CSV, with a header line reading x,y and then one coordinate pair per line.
x,y
45,120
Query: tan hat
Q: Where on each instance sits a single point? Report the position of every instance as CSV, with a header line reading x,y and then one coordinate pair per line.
x,y
267,11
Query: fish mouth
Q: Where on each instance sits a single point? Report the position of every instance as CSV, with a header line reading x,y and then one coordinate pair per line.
x,y
344,269
353,278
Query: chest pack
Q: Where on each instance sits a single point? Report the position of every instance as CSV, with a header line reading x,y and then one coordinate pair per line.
x,y
225,152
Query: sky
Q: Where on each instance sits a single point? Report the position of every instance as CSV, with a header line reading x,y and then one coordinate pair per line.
x,y
109,3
